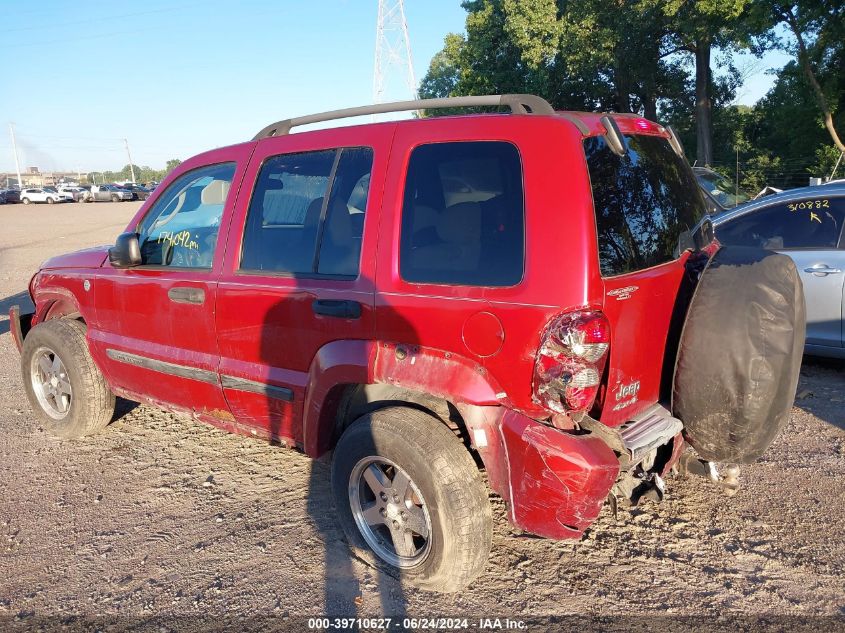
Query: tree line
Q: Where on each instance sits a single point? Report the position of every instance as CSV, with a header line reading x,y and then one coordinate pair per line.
x,y
672,61
143,173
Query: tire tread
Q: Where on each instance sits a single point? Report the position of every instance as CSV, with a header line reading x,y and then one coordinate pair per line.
x,y
463,493
95,406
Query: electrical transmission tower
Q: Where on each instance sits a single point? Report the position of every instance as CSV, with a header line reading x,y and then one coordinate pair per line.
x,y
393,49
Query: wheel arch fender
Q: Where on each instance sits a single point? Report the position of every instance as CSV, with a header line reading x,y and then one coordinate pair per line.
x,y
57,302
391,373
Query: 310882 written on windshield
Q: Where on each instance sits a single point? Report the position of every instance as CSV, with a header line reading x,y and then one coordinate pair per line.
x,y
809,204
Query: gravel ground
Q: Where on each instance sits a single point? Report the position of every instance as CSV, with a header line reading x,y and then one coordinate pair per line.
x,y
162,517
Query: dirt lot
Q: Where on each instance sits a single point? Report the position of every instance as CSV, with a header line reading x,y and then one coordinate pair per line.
x,y
163,516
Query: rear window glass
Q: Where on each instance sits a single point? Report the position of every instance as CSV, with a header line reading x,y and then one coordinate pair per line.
x,y
643,201
462,218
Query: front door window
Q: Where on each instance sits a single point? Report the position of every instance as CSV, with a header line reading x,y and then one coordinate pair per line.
x,y
181,228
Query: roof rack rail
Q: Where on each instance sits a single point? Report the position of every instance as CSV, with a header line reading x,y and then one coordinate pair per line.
x,y
518,104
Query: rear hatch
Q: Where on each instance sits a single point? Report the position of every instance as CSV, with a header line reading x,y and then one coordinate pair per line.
x,y
647,204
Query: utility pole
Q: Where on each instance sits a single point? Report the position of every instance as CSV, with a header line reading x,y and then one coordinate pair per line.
x,y
15,151
131,166
393,48
736,186
836,166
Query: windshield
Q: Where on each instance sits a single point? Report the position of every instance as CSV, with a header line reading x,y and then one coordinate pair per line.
x,y
723,189
644,201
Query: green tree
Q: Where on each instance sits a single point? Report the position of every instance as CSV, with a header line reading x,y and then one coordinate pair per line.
x,y
126,172
172,164
818,30
579,54
444,71
697,27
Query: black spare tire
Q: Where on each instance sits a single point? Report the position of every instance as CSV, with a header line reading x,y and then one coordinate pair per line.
x,y
740,354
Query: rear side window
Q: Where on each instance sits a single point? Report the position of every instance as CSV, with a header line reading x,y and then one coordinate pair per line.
x,y
463,221
643,202
307,213
809,223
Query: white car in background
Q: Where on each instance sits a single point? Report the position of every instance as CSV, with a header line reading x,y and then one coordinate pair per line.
x,y
37,194
74,192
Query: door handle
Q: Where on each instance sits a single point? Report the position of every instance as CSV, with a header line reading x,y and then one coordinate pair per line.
x,y
182,294
337,308
822,269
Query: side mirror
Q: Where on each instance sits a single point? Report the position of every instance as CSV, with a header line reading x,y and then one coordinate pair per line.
x,y
126,251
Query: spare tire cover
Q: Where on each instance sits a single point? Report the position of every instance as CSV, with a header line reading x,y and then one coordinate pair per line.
x,y
740,354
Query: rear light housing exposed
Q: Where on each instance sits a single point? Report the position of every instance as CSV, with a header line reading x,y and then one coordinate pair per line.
x,y
571,360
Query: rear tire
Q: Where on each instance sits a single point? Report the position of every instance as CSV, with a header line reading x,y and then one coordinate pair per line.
x,y
430,484
64,386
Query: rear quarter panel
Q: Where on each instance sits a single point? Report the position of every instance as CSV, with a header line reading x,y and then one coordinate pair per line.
x,y
560,263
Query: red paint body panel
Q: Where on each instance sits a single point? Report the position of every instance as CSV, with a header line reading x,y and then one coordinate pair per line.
x,y
434,371
557,482
135,315
639,307
86,258
19,324
561,264
266,327
475,347
336,364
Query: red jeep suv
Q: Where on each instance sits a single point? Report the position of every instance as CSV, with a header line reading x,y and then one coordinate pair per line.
x,y
426,299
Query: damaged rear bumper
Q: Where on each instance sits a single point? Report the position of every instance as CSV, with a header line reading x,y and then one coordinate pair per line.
x,y
19,325
555,482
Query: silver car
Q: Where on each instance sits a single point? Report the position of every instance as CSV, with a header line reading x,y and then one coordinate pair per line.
x,y
805,224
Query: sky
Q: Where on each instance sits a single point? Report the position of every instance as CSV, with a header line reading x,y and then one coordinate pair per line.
x,y
177,77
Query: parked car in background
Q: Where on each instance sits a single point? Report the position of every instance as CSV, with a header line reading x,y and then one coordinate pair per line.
x,y
12,195
720,193
138,192
73,192
105,193
42,194
805,224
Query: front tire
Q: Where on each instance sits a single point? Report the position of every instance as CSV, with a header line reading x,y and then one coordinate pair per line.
x,y
64,386
50,201
25,200
408,494
115,199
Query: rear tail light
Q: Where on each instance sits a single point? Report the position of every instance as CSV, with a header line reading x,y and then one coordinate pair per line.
x,y
571,360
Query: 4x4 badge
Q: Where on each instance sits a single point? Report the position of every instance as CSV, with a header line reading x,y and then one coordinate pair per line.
x,y
623,293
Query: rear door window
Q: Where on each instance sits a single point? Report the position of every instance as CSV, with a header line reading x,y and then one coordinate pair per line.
x,y
808,223
306,215
463,215
643,202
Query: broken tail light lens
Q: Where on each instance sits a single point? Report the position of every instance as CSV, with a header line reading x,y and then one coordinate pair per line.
x,y
571,360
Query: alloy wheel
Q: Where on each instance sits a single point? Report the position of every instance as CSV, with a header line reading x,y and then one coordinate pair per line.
x,y
390,512
51,383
